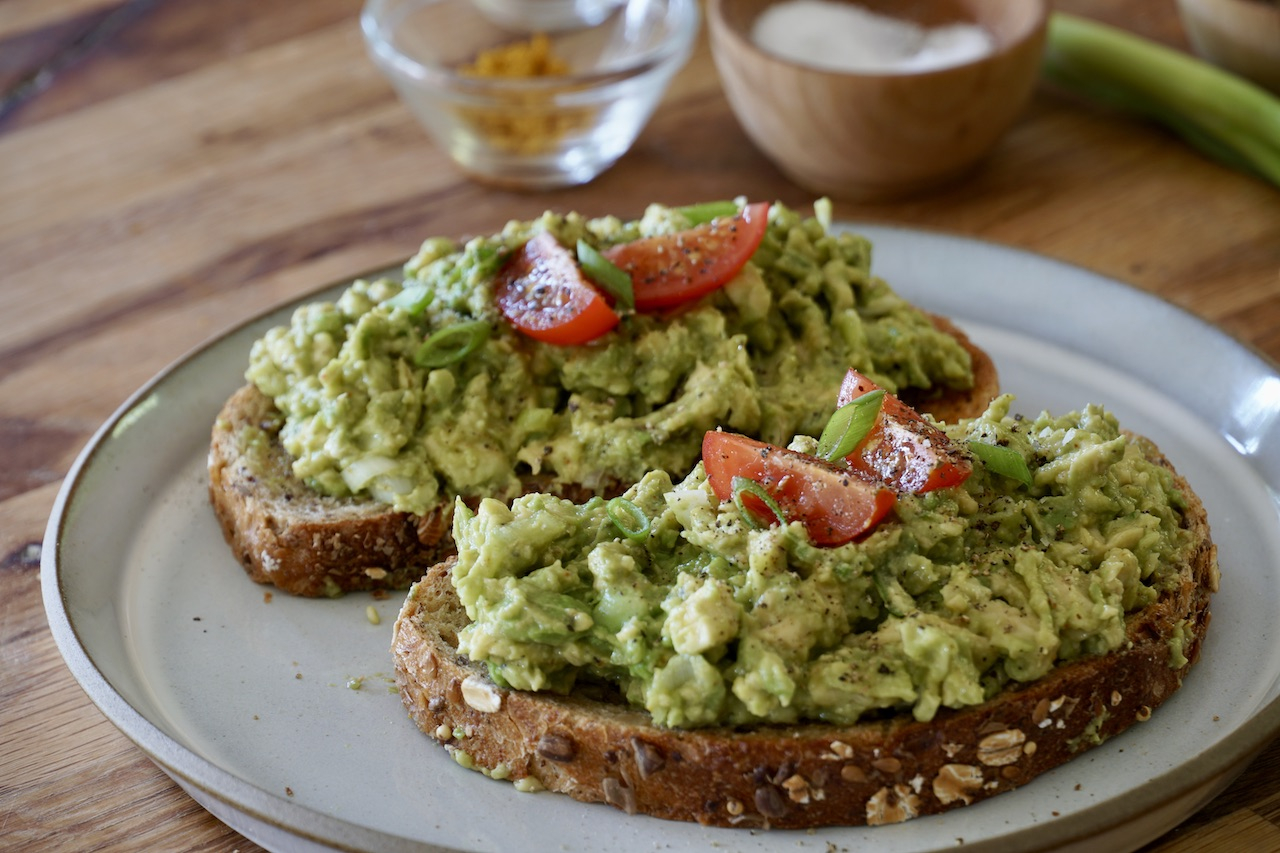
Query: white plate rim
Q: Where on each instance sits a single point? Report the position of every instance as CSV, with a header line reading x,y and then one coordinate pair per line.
x,y
261,811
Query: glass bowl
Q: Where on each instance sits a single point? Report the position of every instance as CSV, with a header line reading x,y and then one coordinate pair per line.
x,y
527,131
547,15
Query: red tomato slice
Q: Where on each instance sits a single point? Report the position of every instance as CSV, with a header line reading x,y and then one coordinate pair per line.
x,y
542,292
674,268
832,503
903,449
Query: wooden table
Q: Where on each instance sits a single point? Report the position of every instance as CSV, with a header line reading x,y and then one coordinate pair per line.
x,y
168,169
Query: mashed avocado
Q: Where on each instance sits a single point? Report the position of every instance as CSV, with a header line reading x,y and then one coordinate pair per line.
x,y
704,620
760,356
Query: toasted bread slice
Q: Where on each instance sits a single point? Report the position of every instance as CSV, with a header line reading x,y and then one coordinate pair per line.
x,y
285,533
883,771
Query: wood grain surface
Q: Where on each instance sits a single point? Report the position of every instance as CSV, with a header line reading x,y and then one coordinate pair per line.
x,y
169,168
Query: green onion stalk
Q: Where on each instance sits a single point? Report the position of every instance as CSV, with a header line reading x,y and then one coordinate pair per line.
x,y
612,279
1225,116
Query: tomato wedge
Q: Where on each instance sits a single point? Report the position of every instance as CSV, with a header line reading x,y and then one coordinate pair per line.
x,y
542,292
902,448
832,503
670,269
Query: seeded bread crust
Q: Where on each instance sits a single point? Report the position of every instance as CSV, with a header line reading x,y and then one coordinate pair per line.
x,y
805,776
286,534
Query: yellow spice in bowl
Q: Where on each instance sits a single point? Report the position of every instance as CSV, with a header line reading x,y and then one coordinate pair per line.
x,y
527,122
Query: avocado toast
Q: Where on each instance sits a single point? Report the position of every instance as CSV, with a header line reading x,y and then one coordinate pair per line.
x,y
703,667
336,467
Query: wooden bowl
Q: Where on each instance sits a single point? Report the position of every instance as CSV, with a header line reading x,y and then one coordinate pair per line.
x,y
887,135
1242,36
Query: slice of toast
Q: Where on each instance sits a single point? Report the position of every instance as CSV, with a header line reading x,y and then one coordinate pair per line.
x,y
599,750
285,533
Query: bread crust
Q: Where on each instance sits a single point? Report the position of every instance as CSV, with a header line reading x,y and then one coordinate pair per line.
x,y
953,404
802,776
286,534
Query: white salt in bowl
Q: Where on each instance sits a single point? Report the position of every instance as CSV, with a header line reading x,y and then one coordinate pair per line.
x,y
892,126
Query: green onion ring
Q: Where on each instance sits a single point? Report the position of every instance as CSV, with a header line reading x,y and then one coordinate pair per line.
x,y
451,344
635,524
414,298
745,485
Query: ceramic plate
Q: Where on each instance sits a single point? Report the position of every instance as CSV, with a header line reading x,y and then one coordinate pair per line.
x,y
278,715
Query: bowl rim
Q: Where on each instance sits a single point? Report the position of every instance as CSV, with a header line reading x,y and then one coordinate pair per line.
x,y
721,27
683,18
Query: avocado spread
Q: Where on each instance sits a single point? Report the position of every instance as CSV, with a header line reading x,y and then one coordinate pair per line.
x,y
758,356
703,619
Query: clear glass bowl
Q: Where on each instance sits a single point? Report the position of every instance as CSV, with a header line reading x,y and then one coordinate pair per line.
x,y
530,132
548,15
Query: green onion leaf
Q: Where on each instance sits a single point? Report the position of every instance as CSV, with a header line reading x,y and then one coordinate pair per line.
x,y
745,486
414,298
1226,117
628,518
606,274
850,425
1003,461
697,214
451,344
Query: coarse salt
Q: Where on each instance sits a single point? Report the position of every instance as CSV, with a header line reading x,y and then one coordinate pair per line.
x,y
842,37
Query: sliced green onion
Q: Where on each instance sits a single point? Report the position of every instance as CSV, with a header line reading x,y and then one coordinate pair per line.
x,y
628,518
451,344
606,274
697,214
1226,117
1003,461
414,298
850,425
743,486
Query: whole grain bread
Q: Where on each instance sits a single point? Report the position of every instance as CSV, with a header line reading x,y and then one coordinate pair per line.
x,y
286,534
599,750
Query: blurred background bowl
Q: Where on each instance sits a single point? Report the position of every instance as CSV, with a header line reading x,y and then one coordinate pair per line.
x,y
547,15
1242,36
531,132
882,135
